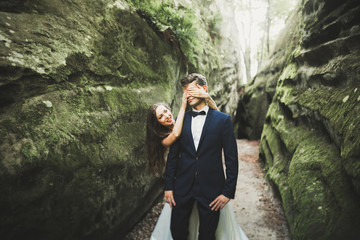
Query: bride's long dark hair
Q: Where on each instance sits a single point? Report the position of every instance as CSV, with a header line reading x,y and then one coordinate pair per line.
x,y
155,133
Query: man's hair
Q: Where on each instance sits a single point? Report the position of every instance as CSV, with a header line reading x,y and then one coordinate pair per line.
x,y
200,79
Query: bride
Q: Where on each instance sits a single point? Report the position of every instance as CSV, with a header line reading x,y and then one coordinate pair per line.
x,y
161,132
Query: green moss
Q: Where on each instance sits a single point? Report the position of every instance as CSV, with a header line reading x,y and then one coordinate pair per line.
x,y
297,51
339,109
72,142
285,92
29,152
139,68
189,37
305,166
78,153
289,72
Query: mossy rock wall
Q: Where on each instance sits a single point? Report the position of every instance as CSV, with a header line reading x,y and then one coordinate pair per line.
x,y
76,80
310,143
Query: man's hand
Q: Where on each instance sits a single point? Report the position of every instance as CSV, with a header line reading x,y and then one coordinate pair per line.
x,y
219,202
169,198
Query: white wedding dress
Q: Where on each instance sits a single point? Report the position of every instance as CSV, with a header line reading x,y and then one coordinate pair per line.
x,y
228,227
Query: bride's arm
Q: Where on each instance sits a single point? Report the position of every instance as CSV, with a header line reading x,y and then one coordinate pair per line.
x,y
200,93
211,103
176,132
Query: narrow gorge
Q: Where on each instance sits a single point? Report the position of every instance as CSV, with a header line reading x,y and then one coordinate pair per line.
x,y
77,78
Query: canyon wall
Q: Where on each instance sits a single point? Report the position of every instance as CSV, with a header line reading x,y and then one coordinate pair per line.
x,y
304,105
76,80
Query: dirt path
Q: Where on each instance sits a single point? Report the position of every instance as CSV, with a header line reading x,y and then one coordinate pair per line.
x,y
258,211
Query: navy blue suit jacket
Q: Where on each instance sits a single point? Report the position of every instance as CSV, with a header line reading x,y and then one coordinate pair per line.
x,y
184,161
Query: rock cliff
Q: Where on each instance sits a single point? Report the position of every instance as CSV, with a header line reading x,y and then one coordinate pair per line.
x,y
77,78
306,101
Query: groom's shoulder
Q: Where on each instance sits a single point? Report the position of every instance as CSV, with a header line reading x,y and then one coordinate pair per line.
x,y
220,114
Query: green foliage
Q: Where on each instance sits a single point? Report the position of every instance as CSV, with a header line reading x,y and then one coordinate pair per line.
x,y
182,20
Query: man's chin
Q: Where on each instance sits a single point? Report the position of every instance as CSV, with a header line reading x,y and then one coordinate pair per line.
x,y
193,103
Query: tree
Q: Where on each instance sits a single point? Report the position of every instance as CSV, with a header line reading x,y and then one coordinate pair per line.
x,y
277,12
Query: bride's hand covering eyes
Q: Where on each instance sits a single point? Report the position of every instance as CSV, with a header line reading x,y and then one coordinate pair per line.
x,y
184,98
198,92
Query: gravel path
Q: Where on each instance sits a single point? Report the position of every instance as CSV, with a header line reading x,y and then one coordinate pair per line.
x,y
257,209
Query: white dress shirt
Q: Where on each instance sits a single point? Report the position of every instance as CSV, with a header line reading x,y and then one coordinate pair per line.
x,y
197,124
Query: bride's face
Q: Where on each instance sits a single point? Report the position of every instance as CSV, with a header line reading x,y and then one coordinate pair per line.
x,y
164,116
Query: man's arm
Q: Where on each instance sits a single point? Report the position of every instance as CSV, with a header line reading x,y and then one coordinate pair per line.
x,y
231,159
231,163
170,172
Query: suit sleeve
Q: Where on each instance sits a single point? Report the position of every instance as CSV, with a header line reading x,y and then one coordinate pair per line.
x,y
231,158
170,170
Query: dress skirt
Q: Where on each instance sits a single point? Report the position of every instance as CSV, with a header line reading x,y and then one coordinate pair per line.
x,y
228,227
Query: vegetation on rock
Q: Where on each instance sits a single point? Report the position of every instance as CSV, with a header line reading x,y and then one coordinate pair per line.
x,y
309,142
77,78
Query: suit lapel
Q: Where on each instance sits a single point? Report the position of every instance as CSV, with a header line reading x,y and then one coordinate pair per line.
x,y
206,124
187,125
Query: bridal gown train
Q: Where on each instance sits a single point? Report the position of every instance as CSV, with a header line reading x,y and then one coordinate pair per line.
x,y
228,227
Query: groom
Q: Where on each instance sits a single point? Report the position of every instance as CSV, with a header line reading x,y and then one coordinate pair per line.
x,y
194,169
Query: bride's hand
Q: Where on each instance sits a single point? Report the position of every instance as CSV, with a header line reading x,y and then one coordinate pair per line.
x,y
219,202
198,92
169,198
184,98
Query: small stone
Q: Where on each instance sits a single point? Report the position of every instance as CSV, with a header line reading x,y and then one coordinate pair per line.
x,y
345,98
8,24
355,89
108,88
40,70
12,31
48,103
320,207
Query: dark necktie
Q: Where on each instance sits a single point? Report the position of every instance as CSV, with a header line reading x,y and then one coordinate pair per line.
x,y
195,114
